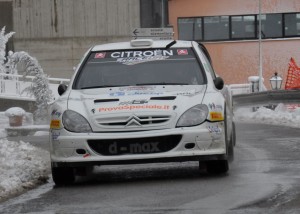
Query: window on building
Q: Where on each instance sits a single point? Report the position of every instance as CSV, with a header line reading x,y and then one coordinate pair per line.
x,y
190,28
292,24
271,25
216,28
242,27
198,29
186,28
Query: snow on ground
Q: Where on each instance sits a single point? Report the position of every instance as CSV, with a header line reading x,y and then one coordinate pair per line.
x,y
286,115
23,165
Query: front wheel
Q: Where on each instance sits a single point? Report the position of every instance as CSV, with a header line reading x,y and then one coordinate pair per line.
x,y
63,175
217,166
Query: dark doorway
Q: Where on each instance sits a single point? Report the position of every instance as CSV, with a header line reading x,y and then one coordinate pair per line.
x,y
154,13
6,19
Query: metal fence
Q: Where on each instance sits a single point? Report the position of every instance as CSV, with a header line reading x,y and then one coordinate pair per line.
x,y
12,86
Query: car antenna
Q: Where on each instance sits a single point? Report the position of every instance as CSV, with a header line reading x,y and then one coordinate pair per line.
x,y
170,44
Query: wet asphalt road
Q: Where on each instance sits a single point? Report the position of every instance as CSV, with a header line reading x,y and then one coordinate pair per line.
x,y
264,178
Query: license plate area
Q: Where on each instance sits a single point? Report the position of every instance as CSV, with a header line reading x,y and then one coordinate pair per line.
x,y
135,145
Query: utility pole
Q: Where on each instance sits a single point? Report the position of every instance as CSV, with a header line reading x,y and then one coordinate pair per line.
x,y
162,13
260,50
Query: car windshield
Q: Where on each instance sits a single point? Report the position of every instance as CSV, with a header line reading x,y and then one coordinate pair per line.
x,y
140,67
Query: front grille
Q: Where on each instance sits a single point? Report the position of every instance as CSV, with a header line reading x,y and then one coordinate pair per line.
x,y
135,145
127,121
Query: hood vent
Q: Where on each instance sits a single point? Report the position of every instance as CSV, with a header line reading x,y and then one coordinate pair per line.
x,y
106,100
163,98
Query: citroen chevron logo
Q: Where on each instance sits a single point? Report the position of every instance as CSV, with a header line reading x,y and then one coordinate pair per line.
x,y
133,120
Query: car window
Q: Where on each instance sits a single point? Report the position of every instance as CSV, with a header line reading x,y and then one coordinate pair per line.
x,y
140,67
207,62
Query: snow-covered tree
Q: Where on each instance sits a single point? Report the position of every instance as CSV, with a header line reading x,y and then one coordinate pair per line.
x,y
3,40
11,67
40,86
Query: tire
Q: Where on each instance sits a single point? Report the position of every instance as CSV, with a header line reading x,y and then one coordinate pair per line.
x,y
230,152
63,175
233,134
231,141
217,166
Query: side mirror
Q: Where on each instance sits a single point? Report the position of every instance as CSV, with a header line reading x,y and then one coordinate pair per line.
x,y
219,83
61,89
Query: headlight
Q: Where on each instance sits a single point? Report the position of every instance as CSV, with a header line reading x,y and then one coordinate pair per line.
x,y
75,122
194,116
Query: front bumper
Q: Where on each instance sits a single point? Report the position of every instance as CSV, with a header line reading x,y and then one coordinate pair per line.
x,y
203,142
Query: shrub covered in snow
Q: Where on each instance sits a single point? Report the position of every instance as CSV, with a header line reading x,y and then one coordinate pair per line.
x,y
40,87
3,40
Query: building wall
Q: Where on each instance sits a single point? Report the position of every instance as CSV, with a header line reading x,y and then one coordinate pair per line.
x,y
59,32
235,61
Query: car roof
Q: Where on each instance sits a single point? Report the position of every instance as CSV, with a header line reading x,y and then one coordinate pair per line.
x,y
142,44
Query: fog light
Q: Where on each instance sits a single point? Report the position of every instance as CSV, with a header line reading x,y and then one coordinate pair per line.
x,y
81,151
189,145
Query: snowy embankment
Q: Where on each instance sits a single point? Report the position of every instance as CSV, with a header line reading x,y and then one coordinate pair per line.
x,y
22,165
286,115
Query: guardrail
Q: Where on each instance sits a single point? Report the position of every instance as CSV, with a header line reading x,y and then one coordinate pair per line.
x,y
266,98
12,86
239,89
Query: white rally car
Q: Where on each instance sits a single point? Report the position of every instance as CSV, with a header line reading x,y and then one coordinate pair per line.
x,y
142,101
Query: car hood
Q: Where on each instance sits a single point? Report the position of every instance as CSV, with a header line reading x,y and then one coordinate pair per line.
x,y
135,107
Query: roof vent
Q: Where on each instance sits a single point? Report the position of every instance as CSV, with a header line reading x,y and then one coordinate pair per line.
x,y
141,42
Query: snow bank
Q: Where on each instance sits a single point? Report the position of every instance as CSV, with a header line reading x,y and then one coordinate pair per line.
x,y
22,166
286,115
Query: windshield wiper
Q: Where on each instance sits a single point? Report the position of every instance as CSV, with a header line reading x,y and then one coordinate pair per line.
x,y
103,86
170,44
163,83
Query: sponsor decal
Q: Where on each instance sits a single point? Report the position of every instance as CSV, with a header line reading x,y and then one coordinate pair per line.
x,y
55,113
132,102
117,94
100,55
134,107
86,155
185,94
55,124
216,116
214,129
134,148
134,93
182,52
55,135
137,88
144,93
188,93
213,106
136,54
137,60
